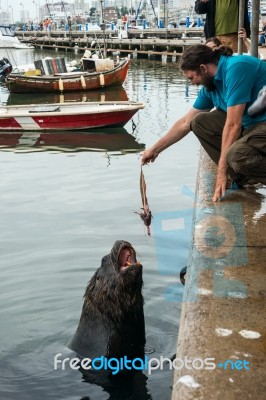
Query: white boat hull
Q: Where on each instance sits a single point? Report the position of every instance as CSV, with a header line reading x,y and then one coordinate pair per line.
x,y
67,116
9,41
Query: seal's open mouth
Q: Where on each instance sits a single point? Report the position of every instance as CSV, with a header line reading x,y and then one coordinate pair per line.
x,y
126,258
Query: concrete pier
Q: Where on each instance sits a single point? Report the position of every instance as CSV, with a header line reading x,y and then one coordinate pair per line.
x,y
224,310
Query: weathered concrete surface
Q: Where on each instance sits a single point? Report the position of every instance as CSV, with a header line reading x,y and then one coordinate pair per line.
x,y
224,296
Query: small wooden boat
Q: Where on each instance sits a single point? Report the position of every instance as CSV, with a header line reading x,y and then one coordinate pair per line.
x,y
68,81
67,116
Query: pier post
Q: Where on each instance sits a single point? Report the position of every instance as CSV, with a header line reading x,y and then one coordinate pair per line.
x,y
174,57
164,58
135,54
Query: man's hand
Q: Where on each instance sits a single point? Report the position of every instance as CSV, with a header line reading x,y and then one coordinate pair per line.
x,y
149,155
242,33
220,187
231,133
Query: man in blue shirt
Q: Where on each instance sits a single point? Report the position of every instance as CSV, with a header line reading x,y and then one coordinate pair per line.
x,y
235,141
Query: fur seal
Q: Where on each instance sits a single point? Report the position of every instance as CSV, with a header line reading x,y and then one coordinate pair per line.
x,y
112,318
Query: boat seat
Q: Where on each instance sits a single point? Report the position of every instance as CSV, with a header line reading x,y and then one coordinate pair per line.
x,y
44,109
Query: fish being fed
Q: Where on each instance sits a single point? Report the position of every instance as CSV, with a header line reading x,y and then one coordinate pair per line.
x,y
145,215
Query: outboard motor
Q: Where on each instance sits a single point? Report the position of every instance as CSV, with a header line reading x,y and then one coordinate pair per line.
x,y
5,68
259,105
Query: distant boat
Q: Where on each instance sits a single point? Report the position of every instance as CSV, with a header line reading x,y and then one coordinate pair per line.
x,y
69,81
8,39
67,116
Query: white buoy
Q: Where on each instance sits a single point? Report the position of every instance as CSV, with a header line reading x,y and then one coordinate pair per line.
x,y
102,83
83,82
61,85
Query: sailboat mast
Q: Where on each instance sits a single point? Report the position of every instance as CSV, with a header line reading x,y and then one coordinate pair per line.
x,y
103,28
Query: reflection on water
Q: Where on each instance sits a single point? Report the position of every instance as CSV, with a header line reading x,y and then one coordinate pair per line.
x,y
129,387
111,94
111,140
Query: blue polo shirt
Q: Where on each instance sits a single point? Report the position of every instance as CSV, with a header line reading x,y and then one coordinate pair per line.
x,y
238,80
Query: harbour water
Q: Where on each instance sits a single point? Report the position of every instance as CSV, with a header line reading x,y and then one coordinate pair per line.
x,y
64,201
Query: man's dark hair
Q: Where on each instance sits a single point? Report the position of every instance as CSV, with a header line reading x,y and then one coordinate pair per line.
x,y
215,40
199,54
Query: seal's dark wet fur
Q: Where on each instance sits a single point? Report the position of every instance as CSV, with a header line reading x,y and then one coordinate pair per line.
x,y
112,319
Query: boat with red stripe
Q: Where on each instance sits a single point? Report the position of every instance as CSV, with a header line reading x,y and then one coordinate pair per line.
x,y
67,116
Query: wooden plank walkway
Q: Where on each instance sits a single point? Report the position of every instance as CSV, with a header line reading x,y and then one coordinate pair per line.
x,y
150,46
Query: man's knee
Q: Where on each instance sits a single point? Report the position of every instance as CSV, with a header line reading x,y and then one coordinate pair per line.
x,y
210,123
198,123
241,157
233,156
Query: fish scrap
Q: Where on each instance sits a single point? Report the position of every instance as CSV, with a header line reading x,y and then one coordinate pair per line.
x,y
145,215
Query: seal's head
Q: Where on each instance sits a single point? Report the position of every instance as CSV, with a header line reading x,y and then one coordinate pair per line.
x,y
112,319
121,263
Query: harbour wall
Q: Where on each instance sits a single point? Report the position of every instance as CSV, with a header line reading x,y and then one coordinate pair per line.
x,y
222,337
